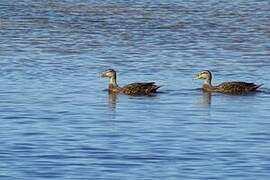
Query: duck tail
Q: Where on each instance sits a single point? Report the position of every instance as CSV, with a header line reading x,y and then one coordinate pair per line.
x,y
156,88
258,86
153,89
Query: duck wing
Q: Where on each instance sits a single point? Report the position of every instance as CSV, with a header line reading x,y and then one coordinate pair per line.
x,y
144,88
236,87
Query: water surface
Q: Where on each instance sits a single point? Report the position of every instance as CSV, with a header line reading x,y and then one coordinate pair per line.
x,y
57,122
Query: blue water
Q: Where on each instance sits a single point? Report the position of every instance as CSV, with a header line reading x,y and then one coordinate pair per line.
x,y
58,121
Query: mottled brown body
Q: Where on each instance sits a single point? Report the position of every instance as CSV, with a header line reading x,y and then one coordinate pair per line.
x,y
140,88
236,87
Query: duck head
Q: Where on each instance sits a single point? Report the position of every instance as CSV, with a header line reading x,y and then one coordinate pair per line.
x,y
111,74
205,75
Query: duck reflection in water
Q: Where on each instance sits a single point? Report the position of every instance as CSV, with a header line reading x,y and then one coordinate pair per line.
x,y
205,100
112,98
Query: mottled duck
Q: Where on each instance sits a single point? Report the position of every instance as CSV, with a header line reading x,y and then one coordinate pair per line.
x,y
234,87
134,89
